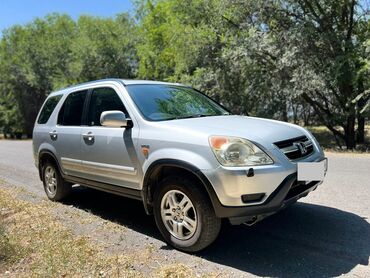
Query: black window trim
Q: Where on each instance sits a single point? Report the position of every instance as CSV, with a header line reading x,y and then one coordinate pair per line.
x,y
85,110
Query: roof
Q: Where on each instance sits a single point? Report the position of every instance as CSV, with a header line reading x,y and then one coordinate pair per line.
x,y
125,82
136,82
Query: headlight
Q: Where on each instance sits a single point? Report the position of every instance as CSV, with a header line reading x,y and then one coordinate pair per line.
x,y
234,151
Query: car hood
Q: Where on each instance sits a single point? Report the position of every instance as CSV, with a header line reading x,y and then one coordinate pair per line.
x,y
259,130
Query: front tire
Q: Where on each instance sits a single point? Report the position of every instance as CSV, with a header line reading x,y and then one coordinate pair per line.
x,y
184,214
56,188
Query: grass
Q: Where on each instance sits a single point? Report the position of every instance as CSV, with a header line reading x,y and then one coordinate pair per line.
x,y
6,248
34,244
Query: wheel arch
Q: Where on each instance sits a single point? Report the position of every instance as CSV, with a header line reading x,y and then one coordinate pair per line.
x,y
44,156
160,169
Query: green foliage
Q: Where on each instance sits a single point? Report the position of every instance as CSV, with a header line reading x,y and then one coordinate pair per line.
x,y
34,57
104,48
306,61
55,52
11,121
266,58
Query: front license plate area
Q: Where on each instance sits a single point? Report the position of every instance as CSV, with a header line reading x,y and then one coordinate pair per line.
x,y
311,171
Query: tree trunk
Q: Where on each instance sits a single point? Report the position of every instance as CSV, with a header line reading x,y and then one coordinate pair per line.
x,y
295,113
349,132
285,116
360,116
360,128
306,116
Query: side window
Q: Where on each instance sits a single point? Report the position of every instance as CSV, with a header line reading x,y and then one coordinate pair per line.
x,y
103,99
71,112
48,108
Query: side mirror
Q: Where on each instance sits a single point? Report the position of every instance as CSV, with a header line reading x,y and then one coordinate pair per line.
x,y
114,118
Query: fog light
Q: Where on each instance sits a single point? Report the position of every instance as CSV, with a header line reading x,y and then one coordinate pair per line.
x,y
253,198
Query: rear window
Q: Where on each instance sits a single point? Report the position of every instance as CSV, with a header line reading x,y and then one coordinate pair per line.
x,y
48,108
71,112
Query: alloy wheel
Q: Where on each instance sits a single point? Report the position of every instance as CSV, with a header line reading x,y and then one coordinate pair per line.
x,y
178,214
50,181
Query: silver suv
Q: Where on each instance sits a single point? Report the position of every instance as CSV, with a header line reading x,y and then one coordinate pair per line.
x,y
189,160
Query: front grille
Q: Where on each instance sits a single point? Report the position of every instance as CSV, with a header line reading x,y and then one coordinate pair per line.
x,y
296,148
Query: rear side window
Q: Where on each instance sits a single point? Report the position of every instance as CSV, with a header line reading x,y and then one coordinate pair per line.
x,y
71,112
103,99
48,108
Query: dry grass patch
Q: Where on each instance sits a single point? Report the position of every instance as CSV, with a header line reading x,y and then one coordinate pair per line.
x,y
175,270
182,271
33,244
6,249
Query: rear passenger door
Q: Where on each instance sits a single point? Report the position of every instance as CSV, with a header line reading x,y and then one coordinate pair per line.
x,y
66,136
108,153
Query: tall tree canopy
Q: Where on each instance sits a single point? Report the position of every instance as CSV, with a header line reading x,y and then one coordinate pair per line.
x,y
264,57
285,59
55,52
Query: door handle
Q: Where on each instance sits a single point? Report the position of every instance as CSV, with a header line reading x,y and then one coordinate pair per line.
x,y
53,135
88,137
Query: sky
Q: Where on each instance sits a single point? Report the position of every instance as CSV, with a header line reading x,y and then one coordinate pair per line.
x,y
23,11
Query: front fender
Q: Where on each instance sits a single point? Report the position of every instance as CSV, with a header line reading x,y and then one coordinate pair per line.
x,y
154,165
198,161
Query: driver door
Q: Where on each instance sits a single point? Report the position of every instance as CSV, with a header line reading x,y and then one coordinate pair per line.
x,y
108,153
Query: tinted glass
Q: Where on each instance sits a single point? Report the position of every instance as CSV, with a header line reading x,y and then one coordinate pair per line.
x,y
48,109
103,99
71,112
167,102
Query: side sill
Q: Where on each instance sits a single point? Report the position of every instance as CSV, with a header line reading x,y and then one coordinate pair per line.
x,y
106,187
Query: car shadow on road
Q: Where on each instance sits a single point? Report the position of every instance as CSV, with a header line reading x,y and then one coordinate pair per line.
x,y
304,240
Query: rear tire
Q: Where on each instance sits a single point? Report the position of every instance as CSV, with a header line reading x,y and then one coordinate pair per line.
x,y
56,188
184,214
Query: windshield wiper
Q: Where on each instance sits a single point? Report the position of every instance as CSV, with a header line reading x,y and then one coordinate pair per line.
x,y
195,116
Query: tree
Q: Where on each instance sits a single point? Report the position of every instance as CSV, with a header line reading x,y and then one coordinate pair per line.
x,y
104,48
55,52
180,43
10,118
285,59
327,42
363,97
33,58
263,57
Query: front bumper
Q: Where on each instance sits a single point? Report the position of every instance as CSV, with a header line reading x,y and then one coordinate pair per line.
x,y
277,183
288,192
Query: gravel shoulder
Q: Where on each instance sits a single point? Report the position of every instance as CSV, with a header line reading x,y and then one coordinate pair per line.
x,y
326,234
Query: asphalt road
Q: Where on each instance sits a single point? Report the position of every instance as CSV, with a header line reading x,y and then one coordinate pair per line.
x,y
326,234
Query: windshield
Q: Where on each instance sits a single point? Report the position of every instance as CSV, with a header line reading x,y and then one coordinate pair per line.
x,y
169,102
